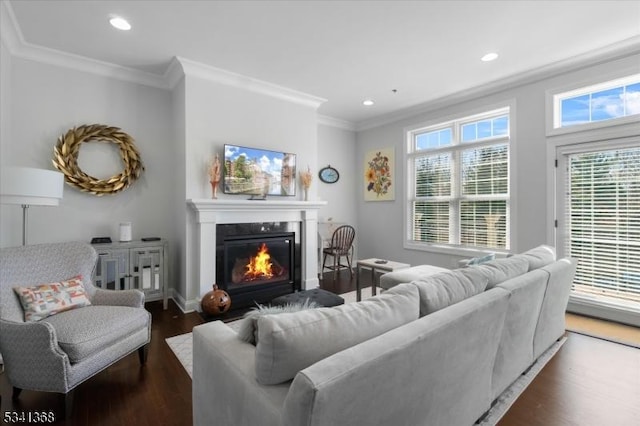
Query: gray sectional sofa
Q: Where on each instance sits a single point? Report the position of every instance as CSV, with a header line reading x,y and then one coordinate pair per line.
x,y
436,351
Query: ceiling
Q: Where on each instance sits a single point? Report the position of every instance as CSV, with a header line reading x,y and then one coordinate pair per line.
x,y
399,53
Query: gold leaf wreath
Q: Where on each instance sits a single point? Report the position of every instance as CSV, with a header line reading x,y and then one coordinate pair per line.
x,y
65,159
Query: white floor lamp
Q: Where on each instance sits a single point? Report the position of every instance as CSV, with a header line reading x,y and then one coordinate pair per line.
x,y
30,187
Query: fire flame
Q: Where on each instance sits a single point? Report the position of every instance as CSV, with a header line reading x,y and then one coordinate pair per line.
x,y
260,266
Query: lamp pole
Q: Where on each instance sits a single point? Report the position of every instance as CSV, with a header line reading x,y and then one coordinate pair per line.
x,y
25,211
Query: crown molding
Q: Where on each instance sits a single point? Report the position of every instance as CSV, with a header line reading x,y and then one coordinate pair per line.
x,y
13,38
10,33
625,48
336,122
228,78
174,73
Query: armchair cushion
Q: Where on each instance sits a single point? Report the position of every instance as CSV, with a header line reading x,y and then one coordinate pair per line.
x,y
133,298
83,332
43,300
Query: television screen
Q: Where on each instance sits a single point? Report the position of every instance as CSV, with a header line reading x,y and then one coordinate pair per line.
x,y
258,172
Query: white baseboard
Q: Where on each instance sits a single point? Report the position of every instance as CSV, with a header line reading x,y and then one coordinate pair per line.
x,y
186,306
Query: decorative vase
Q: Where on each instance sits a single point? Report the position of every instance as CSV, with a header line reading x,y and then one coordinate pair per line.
x,y
216,301
306,194
214,189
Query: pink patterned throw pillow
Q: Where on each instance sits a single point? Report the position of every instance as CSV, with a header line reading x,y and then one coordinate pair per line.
x,y
44,300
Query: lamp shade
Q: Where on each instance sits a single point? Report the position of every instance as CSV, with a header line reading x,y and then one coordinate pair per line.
x,y
29,186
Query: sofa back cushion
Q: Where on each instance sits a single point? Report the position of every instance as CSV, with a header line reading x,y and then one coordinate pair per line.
x,y
441,290
290,342
501,270
538,257
515,352
436,370
551,323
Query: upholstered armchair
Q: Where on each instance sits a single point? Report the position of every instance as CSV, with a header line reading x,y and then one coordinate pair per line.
x,y
57,353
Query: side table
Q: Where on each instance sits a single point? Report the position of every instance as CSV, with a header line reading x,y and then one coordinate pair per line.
x,y
375,265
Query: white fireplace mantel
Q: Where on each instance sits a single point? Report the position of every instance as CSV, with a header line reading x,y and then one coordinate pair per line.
x,y
210,213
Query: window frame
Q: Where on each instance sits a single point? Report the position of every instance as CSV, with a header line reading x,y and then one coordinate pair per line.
x,y
616,310
553,98
608,134
456,148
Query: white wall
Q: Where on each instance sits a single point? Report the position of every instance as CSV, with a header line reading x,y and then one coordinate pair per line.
x,y
337,147
176,131
216,114
381,223
45,102
178,195
5,102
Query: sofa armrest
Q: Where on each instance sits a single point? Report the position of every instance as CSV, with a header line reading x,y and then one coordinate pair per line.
x,y
132,298
32,356
224,381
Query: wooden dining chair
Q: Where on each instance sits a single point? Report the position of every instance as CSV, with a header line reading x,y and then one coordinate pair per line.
x,y
341,246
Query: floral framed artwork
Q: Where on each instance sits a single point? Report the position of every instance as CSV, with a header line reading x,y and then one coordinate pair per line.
x,y
379,176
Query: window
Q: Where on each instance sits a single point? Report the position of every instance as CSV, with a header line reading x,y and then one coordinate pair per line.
x,y
603,222
459,183
597,147
605,101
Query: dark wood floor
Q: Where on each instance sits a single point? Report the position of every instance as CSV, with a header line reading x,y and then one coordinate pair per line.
x,y
588,382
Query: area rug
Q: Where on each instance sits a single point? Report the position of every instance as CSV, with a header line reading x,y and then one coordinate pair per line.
x,y
182,347
182,344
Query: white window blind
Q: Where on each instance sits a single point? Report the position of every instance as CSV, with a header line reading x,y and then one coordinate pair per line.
x,y
460,182
603,217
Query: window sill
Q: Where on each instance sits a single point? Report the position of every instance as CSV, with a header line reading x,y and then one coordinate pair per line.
x,y
454,250
618,311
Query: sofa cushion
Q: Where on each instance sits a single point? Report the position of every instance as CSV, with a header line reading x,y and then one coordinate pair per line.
x,y
539,256
82,332
407,275
248,331
43,300
290,342
500,270
441,290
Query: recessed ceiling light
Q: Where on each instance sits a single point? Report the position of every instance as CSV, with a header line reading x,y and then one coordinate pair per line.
x,y
367,102
120,23
489,57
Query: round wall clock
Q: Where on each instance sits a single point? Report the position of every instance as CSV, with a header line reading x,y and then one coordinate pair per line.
x,y
329,174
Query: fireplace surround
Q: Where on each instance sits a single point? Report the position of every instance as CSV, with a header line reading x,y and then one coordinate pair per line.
x,y
209,213
257,262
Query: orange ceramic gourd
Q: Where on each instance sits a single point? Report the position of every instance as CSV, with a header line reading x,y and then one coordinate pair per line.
x,y
216,301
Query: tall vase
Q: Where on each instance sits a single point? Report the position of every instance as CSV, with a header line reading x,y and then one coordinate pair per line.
x,y
306,194
214,189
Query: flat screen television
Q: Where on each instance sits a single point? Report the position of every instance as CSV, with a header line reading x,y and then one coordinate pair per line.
x,y
258,172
